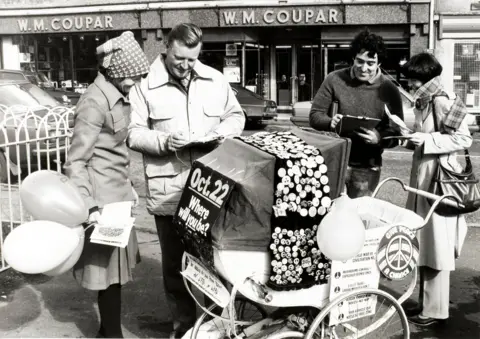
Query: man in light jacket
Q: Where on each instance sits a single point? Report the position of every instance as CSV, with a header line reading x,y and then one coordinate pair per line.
x,y
180,101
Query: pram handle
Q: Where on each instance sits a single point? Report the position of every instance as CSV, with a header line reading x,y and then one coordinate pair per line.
x,y
448,200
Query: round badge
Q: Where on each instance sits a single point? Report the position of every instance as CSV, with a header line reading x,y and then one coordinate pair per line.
x,y
312,211
326,189
397,253
280,186
324,180
303,212
319,159
326,201
281,172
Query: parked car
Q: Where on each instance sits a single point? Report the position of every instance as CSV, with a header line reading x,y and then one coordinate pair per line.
x,y
255,107
301,112
61,93
22,107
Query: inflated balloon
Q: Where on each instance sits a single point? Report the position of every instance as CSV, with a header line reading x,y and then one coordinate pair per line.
x,y
73,258
50,195
39,246
341,233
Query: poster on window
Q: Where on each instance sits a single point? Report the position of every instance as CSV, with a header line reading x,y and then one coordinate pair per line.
x,y
230,49
232,74
475,5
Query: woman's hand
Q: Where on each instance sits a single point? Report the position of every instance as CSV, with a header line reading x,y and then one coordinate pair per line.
x,y
94,217
370,136
418,138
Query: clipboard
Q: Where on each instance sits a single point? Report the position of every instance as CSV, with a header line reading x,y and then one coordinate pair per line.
x,y
350,123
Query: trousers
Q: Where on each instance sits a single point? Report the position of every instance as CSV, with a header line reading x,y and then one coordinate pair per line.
x,y
434,295
181,304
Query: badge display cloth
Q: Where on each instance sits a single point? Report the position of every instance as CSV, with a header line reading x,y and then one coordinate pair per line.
x,y
281,185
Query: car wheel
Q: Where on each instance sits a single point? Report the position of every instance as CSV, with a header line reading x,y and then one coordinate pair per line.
x,y
3,168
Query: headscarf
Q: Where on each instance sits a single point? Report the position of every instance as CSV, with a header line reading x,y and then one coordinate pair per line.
x,y
424,95
122,57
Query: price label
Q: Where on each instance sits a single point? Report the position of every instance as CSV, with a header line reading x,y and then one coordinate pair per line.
x,y
205,281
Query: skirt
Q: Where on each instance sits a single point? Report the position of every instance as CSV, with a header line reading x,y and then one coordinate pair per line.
x,y
100,266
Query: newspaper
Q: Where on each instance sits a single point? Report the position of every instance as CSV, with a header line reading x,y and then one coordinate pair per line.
x,y
115,225
397,123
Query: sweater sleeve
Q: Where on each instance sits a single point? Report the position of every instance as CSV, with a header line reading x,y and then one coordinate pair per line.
x,y
393,100
319,118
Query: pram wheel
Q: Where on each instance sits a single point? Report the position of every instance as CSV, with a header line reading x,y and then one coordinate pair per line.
x,y
245,310
373,314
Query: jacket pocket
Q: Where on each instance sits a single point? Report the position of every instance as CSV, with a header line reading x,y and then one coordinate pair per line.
x,y
119,122
162,117
212,110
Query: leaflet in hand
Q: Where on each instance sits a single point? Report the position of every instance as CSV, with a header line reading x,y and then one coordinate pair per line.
x,y
397,123
115,225
206,141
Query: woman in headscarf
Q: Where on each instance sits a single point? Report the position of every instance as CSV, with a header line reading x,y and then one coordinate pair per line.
x,y
442,238
98,162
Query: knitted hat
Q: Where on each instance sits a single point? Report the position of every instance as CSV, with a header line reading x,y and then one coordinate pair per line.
x,y
122,57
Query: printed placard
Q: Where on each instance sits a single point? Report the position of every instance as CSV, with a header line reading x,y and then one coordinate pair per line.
x,y
204,196
205,281
355,274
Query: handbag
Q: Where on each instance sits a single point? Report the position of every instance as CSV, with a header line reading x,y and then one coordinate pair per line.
x,y
461,185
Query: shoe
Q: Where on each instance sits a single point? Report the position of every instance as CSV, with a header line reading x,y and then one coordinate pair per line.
x,y
424,321
412,311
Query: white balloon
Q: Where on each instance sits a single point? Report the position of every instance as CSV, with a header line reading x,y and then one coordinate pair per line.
x,y
39,246
341,233
73,258
50,195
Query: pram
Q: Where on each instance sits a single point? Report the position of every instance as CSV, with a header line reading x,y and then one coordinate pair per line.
x,y
256,311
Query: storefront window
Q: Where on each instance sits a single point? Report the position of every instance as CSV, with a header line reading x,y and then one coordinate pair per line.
x,y
226,57
466,74
63,61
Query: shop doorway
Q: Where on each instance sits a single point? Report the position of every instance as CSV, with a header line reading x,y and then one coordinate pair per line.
x,y
284,60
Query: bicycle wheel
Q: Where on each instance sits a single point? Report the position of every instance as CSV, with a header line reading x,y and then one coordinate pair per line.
x,y
367,313
245,310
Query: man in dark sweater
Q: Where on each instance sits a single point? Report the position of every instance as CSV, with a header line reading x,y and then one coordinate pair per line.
x,y
361,90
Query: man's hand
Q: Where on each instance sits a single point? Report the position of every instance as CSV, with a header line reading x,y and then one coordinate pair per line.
x,y
335,120
176,141
418,138
370,136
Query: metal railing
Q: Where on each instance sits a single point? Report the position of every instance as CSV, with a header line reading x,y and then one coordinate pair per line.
x,y
31,138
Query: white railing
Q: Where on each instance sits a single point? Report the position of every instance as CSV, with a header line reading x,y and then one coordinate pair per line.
x,y
31,138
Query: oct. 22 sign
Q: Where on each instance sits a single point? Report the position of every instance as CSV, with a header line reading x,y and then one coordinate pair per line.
x,y
204,196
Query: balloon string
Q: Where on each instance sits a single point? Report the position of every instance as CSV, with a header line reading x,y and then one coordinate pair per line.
x,y
92,224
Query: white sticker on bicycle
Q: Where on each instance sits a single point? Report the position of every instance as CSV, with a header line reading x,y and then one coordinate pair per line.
x,y
355,274
205,281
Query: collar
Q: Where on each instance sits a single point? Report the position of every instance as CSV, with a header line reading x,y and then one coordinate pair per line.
x,y
160,76
109,90
373,80
424,94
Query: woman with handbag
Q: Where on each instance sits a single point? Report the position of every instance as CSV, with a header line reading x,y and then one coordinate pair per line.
x,y
440,132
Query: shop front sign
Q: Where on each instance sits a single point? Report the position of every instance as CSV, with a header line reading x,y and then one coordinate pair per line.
x,y
70,23
316,15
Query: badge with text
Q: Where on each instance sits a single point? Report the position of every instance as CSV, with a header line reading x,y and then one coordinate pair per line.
x,y
204,196
397,253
